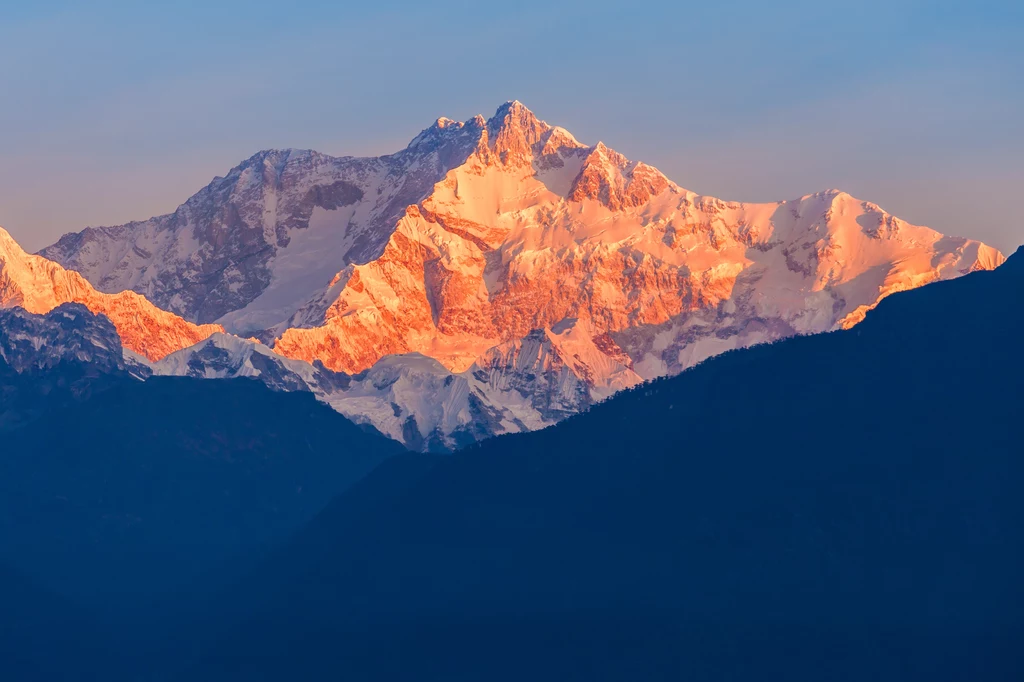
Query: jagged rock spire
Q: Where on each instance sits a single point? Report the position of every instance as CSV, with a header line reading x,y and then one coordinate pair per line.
x,y
514,131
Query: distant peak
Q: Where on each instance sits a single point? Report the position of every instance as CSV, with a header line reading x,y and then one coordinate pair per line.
x,y
830,193
443,128
513,132
514,112
8,245
512,105
601,154
609,177
275,158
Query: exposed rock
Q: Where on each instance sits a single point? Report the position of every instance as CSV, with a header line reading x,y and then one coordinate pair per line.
x,y
47,361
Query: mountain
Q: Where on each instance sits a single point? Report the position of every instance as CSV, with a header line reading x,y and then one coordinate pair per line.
x,y
535,229
50,361
39,285
538,274
841,506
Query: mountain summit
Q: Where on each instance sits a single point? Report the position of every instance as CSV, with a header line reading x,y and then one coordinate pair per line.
x,y
511,255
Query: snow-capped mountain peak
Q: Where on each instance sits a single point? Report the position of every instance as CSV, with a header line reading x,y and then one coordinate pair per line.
x,y
515,258
513,132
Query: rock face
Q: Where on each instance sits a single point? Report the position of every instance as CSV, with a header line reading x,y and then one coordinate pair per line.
x,y
497,275
48,361
39,285
68,334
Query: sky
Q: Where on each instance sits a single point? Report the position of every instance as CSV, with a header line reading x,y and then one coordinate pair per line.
x,y
115,111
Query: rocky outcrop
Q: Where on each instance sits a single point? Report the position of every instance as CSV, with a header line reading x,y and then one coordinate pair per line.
x,y
69,333
48,361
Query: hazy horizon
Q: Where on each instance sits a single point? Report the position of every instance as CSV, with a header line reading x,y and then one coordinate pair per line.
x,y
117,113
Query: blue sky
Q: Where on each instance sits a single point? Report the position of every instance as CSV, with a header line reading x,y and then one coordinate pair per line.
x,y
113,111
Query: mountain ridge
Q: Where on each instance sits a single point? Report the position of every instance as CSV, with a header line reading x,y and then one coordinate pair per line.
x,y
54,360
483,234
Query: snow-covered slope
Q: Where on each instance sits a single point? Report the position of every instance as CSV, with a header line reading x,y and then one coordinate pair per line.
x,y
497,275
521,386
252,247
39,285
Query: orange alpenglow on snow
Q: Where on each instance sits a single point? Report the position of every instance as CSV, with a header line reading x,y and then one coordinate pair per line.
x,y
39,285
535,228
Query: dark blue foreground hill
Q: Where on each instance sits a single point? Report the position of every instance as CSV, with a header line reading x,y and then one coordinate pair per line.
x,y
44,636
151,485
122,496
838,507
